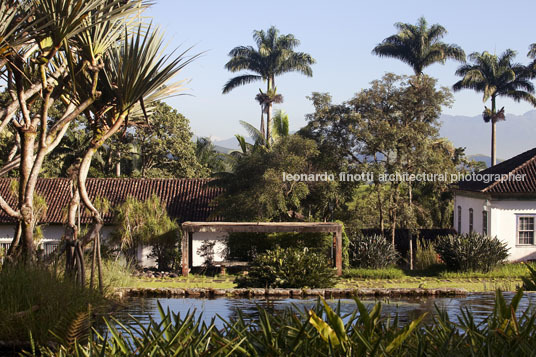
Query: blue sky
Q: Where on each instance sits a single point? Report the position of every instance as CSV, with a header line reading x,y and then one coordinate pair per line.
x,y
340,36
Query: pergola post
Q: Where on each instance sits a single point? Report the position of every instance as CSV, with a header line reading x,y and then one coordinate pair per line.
x,y
338,252
185,250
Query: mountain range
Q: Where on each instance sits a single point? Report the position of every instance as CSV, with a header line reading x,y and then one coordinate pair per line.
x,y
514,135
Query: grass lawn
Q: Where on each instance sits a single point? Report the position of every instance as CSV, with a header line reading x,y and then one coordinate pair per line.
x,y
506,277
470,284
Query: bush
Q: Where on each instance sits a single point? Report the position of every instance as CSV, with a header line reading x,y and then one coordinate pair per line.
x,y
246,246
289,268
471,252
425,255
371,252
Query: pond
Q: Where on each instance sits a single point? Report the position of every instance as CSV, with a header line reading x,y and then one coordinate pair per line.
x,y
480,304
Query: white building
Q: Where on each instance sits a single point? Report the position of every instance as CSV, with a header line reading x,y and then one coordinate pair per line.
x,y
184,199
501,202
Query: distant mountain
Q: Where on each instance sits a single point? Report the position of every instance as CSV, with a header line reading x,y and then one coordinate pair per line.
x,y
222,150
515,135
486,159
231,143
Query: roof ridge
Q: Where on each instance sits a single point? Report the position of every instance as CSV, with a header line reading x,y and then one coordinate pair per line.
x,y
515,169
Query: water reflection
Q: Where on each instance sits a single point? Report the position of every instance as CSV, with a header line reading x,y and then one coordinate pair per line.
x,y
228,308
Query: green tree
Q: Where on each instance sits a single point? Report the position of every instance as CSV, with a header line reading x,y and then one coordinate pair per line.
x,y
389,128
273,56
46,56
496,76
165,145
209,157
256,191
419,45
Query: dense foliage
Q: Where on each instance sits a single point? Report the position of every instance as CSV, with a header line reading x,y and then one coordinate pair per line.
x,y
320,331
289,268
147,223
246,246
258,191
472,251
371,251
390,128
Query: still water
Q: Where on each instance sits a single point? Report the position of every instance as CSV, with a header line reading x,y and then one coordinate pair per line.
x,y
480,305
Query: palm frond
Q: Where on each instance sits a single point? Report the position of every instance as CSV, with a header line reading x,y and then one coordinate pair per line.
x,y
239,81
138,70
253,132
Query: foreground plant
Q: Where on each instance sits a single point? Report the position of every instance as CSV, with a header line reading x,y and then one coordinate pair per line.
x,y
320,331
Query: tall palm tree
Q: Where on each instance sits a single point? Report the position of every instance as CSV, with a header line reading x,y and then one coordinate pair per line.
x,y
419,45
273,56
496,76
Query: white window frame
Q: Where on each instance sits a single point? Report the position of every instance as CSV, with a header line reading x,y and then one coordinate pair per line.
x,y
518,217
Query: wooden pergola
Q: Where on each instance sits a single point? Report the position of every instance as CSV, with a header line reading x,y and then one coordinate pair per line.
x,y
188,228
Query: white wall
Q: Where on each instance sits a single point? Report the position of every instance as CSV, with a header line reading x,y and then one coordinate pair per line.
x,y
502,221
478,205
504,226
50,232
219,248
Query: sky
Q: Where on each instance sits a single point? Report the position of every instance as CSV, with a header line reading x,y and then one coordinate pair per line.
x,y
340,35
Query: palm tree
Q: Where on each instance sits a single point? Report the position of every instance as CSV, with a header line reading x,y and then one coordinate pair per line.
x,y
496,76
273,56
266,100
419,45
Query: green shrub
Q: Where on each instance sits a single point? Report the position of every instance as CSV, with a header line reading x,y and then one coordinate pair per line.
x,y
246,246
289,268
425,255
373,251
471,252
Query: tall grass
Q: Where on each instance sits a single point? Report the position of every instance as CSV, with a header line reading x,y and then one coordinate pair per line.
x,y
35,299
509,270
385,273
425,255
320,331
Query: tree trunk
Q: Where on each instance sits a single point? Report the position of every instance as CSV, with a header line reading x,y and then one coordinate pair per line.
x,y
493,133
83,173
263,133
118,167
26,198
268,113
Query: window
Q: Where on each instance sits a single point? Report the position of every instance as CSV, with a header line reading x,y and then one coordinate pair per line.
x,y
459,219
485,223
525,229
470,220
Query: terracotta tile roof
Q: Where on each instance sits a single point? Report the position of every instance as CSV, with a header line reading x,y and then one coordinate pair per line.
x,y
185,199
522,164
